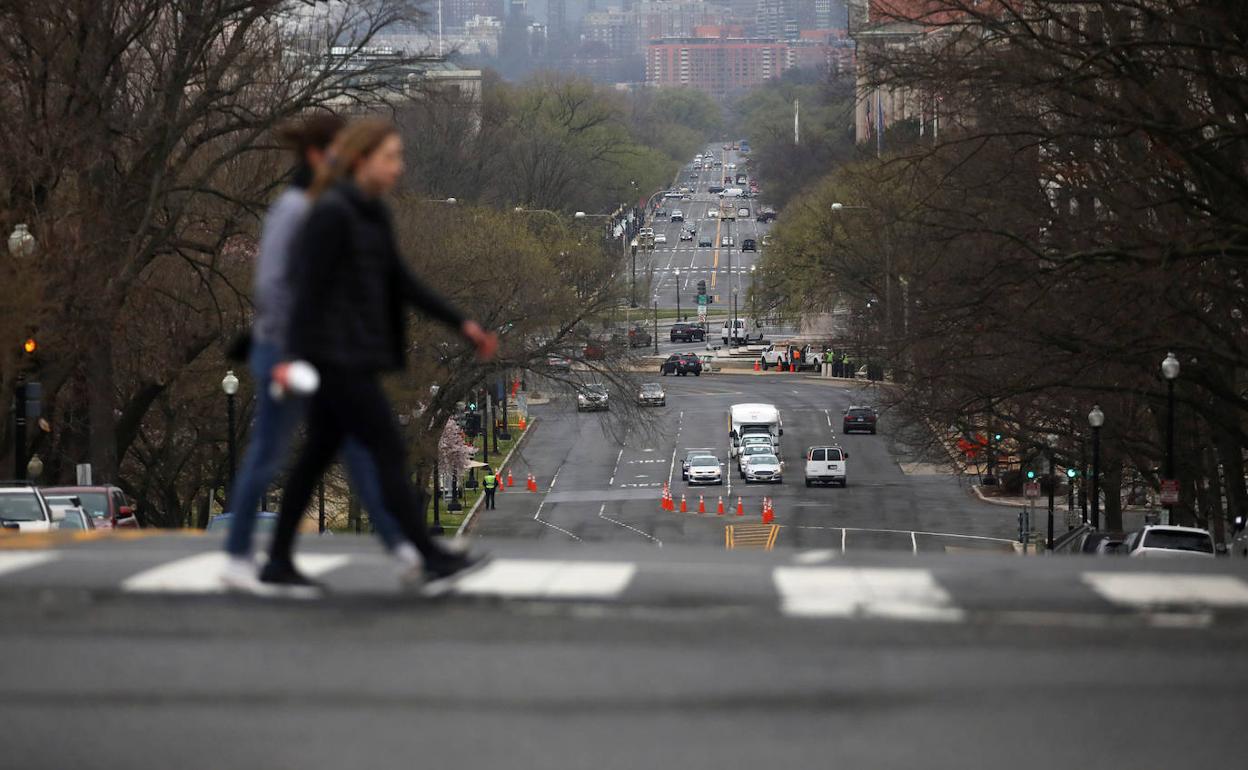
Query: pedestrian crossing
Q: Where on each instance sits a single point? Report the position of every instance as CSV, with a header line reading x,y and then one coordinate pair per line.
x,y
808,585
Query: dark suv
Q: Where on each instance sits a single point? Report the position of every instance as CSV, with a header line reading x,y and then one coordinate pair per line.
x,y
749,244
681,364
106,505
860,418
683,332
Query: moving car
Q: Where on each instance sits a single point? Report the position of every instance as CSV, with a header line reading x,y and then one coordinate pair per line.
x,y
826,465
681,364
712,214
689,455
23,508
678,216
592,397
558,363
749,449
685,332
859,418
743,212
726,240
766,215
705,469
749,244
660,237
1167,541
741,334
686,235
266,521
762,467
638,337
715,189
105,504
661,212
704,240
652,394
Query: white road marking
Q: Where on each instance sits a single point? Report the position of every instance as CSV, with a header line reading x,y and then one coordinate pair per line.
x,y
1148,589
899,594
616,469
19,560
548,579
843,540
828,414
914,543
817,556
201,574
671,468
554,478
537,516
602,515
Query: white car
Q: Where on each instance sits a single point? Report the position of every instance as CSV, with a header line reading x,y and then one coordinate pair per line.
x,y
660,237
743,212
751,449
23,508
705,469
712,214
826,465
686,235
592,397
1164,541
726,240
762,467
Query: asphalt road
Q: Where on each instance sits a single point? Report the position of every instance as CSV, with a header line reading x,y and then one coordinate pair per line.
x,y
598,484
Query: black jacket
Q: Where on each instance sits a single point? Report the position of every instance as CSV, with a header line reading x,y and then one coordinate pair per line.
x,y
350,285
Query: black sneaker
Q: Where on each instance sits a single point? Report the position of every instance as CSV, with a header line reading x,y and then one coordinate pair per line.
x,y
438,572
286,580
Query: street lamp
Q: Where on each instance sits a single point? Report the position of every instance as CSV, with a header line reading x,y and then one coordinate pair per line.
x,y
1096,418
34,467
229,384
21,243
446,201
1052,442
1170,370
678,294
753,291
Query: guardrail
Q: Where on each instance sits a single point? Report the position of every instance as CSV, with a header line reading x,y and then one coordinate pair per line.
x,y
1068,541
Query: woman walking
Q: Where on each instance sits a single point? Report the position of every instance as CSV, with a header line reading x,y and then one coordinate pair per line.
x,y
348,321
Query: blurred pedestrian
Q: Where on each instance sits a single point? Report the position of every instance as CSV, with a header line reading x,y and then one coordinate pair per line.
x,y
348,321
489,483
276,418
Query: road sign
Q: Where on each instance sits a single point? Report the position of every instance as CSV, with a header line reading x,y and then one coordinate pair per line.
x,y
1031,489
702,299
1169,491
701,312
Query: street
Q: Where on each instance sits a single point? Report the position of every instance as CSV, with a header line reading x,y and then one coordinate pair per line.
x,y
593,488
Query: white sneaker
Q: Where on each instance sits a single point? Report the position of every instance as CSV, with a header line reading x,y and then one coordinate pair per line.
x,y
241,576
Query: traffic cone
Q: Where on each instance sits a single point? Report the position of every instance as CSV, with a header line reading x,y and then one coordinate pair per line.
x,y
792,367
740,508
701,504
768,515
756,367
532,483
683,508
523,424
510,480
720,510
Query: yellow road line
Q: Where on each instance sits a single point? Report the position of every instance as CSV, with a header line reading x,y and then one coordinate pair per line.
x,y
760,536
67,537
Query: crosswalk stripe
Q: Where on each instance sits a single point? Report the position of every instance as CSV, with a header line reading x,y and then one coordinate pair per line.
x,y
548,579
201,573
901,594
20,560
1153,589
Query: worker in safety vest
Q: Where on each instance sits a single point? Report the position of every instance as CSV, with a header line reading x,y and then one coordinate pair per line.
x,y
490,484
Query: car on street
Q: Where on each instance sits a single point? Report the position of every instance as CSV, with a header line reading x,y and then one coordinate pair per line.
x,y
686,235
766,240
651,394
743,212
23,508
685,332
595,350
639,337
859,418
766,215
557,363
726,240
715,189
826,465
104,503
681,364
762,467
689,455
749,449
67,514
749,244
705,240
660,237
712,214
1167,541
661,212
266,522
678,216
1102,543
592,397
705,469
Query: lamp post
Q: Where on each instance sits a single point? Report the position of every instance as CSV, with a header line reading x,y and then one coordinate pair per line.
x,y
632,299
753,291
21,245
229,384
1052,483
1096,418
678,294
1170,370
445,201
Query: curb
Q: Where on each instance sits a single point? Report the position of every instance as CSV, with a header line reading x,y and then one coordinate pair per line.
x,y
472,514
994,500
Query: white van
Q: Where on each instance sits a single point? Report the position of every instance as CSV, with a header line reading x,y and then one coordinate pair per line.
x,y
753,419
827,465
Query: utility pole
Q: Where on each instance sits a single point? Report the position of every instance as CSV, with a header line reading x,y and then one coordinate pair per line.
x,y
797,135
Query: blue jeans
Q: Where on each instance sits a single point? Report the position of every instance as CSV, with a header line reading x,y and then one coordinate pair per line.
x,y
274,425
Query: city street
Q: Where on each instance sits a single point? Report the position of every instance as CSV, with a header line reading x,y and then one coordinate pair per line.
x,y
595,489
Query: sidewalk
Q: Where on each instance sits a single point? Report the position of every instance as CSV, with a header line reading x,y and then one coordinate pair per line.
x,y
1132,518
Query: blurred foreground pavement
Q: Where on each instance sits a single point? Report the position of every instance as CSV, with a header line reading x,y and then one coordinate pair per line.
x,y
119,652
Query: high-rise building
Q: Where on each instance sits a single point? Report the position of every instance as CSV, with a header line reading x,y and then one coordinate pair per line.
x,y
719,66
456,13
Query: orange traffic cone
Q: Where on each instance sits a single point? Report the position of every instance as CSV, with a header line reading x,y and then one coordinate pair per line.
x,y
740,509
683,508
720,510
510,480
756,367
767,512
701,504
792,367
523,424
532,483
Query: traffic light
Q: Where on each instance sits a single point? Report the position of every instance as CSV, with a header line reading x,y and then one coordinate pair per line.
x,y
30,346
996,437
1071,473
1031,475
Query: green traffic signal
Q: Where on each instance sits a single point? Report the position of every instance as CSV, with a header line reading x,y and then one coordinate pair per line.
x,y
1031,475
1071,473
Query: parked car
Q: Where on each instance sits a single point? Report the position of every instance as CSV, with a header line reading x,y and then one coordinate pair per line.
x,y
826,465
68,514
595,350
1165,541
749,244
762,467
1101,543
678,216
557,363
705,469
23,508
751,448
681,364
859,418
266,522
105,504
686,332
652,394
592,397
638,337
766,215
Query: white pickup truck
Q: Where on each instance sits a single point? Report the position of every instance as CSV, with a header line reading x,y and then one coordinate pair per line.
x,y
781,354
742,335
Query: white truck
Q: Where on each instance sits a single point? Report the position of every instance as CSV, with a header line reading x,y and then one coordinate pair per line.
x,y
782,353
753,419
740,332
